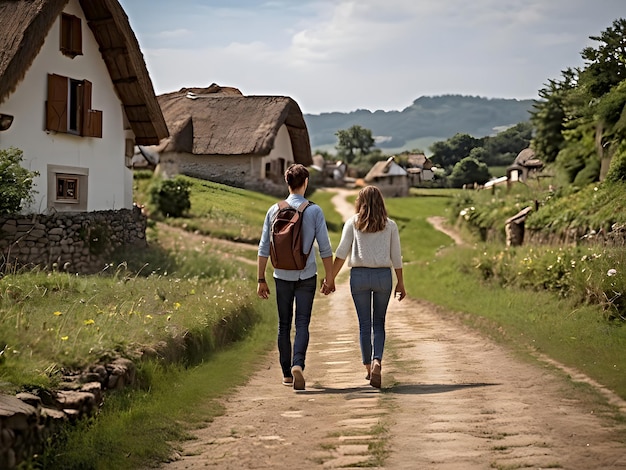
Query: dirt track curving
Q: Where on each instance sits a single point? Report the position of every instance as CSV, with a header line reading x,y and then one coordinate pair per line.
x,y
451,399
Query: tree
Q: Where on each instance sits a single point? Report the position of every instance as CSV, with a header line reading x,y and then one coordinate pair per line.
x,y
468,171
606,64
352,140
502,148
550,114
447,153
16,182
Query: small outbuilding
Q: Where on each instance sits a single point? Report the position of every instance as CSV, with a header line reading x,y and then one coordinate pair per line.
x,y
525,165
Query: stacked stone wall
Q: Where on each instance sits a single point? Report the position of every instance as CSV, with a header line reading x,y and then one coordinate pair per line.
x,y
77,242
29,420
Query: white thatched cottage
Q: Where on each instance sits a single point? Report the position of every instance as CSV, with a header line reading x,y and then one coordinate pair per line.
x,y
389,177
74,82
218,134
75,98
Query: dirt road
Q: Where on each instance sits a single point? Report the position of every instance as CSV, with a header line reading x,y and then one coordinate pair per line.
x,y
451,399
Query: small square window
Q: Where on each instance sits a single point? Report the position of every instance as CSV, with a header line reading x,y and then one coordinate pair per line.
x,y
67,188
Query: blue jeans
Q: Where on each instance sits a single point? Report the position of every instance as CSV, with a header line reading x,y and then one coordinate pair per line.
x,y
371,291
303,292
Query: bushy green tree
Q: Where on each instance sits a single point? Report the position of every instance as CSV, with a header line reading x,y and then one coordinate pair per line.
x,y
171,197
605,63
468,171
16,182
449,152
354,143
502,148
549,116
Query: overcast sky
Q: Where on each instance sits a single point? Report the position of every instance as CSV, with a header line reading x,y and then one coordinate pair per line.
x,y
340,55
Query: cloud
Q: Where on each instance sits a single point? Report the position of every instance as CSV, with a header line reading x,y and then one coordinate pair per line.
x,y
347,54
174,33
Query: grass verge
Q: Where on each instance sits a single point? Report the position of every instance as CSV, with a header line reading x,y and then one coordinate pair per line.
x,y
139,428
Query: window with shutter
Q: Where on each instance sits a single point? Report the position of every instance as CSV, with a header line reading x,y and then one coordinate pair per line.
x,y
71,35
68,108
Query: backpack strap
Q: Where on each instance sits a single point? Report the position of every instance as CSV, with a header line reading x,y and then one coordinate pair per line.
x,y
301,208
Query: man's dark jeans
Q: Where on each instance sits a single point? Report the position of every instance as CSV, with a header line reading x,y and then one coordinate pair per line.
x,y
303,292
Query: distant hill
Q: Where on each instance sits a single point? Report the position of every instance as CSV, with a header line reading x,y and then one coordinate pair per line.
x,y
428,119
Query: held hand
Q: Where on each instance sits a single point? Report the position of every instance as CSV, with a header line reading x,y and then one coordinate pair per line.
x,y
263,290
327,287
400,292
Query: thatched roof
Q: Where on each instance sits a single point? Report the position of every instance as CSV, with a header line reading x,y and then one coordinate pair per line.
x,y
221,121
24,25
385,168
419,160
526,158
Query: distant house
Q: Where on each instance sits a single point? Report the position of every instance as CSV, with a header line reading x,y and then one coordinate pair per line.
x,y
525,165
218,134
389,177
331,173
75,85
419,169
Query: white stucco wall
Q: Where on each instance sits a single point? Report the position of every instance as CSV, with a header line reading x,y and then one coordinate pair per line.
x,y
109,181
282,148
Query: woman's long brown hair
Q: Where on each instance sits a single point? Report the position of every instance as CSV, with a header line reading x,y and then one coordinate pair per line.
x,y
371,211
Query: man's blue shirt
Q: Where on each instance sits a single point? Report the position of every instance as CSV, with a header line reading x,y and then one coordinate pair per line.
x,y
313,228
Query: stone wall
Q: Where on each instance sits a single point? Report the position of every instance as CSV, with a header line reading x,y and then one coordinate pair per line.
x,y
77,242
29,420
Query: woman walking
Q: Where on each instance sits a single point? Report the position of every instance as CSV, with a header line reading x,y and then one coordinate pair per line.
x,y
373,243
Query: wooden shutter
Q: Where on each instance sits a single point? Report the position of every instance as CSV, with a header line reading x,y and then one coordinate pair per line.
x,y
71,35
56,106
91,119
77,36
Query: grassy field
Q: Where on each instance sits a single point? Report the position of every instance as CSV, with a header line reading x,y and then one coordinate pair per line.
x,y
52,320
571,329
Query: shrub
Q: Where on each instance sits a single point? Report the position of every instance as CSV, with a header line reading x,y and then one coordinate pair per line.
x,y
16,182
171,197
617,171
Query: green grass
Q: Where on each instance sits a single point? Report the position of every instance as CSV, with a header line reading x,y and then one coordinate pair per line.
x,y
52,320
139,428
217,210
578,335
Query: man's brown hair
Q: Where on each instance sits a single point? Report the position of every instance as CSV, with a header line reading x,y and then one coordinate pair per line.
x,y
296,175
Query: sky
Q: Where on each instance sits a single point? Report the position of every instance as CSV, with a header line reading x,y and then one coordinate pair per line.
x,y
344,55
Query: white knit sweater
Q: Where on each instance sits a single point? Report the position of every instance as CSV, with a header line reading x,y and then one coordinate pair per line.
x,y
370,250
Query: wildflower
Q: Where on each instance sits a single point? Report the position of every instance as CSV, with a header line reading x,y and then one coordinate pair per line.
x,y
176,305
611,272
89,322
57,314
149,317
64,338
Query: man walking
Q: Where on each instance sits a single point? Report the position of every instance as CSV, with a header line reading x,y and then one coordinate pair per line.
x,y
293,285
